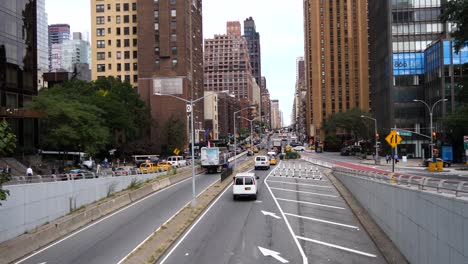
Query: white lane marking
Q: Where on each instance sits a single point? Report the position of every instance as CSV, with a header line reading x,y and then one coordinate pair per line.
x,y
338,247
301,250
195,224
302,184
319,194
157,229
317,204
276,255
297,178
97,222
321,220
266,213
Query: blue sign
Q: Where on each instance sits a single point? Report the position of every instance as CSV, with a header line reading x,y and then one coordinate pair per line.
x,y
447,152
408,63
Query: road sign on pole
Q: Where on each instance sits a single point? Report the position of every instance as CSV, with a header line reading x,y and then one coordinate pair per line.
x,y
393,139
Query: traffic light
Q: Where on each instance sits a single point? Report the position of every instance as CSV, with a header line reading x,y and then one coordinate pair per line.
x,y
434,134
377,136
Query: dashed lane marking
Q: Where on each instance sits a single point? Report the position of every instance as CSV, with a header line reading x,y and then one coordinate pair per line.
x,y
322,221
302,184
337,246
316,204
312,193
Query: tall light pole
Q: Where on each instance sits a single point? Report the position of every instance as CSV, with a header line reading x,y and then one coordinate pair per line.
x,y
191,102
235,138
377,160
431,111
251,128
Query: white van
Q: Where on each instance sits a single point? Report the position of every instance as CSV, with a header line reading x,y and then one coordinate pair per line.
x,y
245,185
262,162
177,161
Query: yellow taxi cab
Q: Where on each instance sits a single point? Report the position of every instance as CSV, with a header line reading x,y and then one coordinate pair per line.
x,y
148,167
255,150
272,156
247,145
164,166
287,148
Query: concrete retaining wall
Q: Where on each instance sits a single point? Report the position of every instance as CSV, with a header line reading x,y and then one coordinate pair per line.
x,y
427,227
32,205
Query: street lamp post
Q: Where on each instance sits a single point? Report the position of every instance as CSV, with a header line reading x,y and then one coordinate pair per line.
x,y
191,102
235,138
251,128
377,160
431,111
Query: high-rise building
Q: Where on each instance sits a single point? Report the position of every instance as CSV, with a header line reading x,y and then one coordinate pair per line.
x,y
227,64
275,115
57,34
336,59
266,103
299,109
253,46
18,70
170,59
70,52
42,37
115,37
399,33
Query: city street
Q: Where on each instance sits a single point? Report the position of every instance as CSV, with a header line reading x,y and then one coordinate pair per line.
x,y
294,220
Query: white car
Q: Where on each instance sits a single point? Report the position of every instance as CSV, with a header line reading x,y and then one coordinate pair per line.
x,y
177,161
262,162
245,185
299,148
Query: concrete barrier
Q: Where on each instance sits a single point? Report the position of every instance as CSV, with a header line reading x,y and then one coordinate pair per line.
x,y
428,227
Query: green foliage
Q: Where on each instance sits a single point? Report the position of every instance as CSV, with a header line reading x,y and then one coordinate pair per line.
x,y
244,133
7,139
456,11
455,125
350,122
332,143
292,155
90,117
175,134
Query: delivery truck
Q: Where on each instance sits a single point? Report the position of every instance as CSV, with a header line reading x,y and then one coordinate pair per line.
x,y
213,159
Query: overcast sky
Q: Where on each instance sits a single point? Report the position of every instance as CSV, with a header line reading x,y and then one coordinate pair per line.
x,y
279,22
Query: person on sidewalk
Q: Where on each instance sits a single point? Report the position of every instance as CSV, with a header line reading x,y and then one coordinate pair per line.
x,y
29,173
395,158
387,158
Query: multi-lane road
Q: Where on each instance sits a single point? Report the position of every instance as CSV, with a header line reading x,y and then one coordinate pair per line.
x,y
293,220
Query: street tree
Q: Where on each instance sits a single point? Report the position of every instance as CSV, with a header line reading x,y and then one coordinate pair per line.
x,y
7,146
175,134
349,122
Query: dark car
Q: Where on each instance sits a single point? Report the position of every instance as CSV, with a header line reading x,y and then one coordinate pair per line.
x,y
447,163
80,174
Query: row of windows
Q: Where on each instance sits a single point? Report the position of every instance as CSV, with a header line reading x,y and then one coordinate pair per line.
x,y
102,67
126,43
100,20
126,78
102,55
126,7
126,31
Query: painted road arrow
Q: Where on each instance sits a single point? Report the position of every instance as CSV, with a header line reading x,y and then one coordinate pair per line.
x,y
273,254
271,214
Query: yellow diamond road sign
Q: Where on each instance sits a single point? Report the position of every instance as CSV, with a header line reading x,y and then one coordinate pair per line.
x,y
393,139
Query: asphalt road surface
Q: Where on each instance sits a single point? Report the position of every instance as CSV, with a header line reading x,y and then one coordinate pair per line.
x,y
294,220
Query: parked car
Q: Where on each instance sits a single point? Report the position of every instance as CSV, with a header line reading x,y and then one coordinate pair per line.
x,y
164,166
245,185
299,148
121,171
447,163
262,162
148,167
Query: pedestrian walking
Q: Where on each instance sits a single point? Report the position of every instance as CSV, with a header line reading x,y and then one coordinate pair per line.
x,y
29,173
395,157
387,158
98,169
7,169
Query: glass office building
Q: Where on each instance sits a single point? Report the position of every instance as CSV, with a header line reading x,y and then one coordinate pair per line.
x,y
18,69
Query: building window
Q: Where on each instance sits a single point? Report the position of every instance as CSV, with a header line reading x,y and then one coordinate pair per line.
x,y
100,20
134,6
134,30
174,50
157,63
118,31
156,14
127,66
173,13
108,7
117,7
117,19
126,19
126,6
109,55
174,62
101,56
126,31
127,78
135,66
134,18
156,51
109,19
101,67
135,78
135,54
156,26
100,32
173,25
135,42
99,8
156,2
109,30
126,43
174,37
109,66
119,55
126,54
119,67
173,2
101,44
109,42
118,43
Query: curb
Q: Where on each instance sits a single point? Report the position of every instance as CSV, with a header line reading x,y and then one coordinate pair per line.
x,y
384,244
21,246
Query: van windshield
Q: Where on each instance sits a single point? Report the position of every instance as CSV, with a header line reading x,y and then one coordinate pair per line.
x,y
248,181
239,181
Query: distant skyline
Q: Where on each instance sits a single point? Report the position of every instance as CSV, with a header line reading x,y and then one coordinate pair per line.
x,y
280,26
